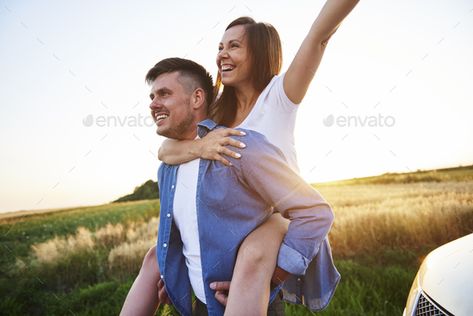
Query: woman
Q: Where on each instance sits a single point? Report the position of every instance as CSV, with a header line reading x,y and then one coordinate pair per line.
x,y
254,97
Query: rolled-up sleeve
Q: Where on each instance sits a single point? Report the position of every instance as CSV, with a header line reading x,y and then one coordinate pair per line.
x,y
307,230
265,171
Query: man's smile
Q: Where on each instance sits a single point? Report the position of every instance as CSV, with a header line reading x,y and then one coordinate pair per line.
x,y
159,117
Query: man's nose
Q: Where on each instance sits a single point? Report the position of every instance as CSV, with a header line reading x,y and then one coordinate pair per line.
x,y
155,105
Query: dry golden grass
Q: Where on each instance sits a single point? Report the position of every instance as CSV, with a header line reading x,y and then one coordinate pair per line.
x,y
127,256
407,216
368,218
58,247
110,235
128,244
143,231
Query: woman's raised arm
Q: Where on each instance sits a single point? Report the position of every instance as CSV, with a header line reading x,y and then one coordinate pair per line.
x,y
212,146
302,69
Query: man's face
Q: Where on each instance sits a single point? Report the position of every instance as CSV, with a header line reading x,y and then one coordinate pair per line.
x,y
171,108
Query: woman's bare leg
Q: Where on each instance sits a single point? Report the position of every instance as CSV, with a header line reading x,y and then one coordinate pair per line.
x,y
142,299
255,264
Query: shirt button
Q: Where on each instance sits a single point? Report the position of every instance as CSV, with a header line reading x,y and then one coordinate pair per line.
x,y
172,186
168,215
165,245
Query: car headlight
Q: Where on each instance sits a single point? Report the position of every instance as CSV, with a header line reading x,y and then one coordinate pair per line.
x,y
413,297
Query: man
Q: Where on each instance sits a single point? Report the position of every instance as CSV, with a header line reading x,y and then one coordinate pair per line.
x,y
207,209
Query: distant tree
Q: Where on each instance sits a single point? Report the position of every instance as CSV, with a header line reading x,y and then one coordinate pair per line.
x,y
146,191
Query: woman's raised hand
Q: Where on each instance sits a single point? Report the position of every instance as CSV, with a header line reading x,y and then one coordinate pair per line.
x,y
304,66
213,145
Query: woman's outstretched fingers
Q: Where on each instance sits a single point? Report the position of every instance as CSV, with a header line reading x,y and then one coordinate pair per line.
x,y
233,142
214,145
222,160
235,132
229,153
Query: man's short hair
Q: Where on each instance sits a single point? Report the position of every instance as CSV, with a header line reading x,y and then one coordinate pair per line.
x,y
187,68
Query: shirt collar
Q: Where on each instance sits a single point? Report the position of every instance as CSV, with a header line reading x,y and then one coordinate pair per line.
x,y
206,126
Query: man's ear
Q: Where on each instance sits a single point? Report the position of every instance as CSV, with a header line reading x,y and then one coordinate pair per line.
x,y
198,99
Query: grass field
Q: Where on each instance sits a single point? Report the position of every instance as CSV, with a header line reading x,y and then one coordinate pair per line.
x,y
82,261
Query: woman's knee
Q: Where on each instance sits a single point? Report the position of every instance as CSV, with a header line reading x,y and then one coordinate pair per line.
x,y
267,237
251,252
278,224
260,248
254,262
256,251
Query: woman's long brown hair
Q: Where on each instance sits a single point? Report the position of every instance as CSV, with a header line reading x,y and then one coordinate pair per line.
x,y
264,50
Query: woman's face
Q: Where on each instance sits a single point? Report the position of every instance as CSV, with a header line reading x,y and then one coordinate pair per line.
x,y
233,60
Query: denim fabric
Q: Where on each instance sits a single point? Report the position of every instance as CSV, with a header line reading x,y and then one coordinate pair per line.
x,y
232,202
276,308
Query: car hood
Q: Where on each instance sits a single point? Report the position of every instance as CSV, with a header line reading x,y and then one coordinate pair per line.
x,y
446,276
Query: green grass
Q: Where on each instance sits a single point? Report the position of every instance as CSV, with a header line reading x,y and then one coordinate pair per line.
x,y
374,282
77,282
438,175
17,234
366,290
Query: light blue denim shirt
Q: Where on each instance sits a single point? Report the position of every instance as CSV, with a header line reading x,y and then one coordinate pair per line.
x,y
231,203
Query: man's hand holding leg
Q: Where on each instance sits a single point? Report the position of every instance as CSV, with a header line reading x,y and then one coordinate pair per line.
x,y
162,294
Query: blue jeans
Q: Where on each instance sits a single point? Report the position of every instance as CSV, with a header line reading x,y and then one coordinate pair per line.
x,y
276,308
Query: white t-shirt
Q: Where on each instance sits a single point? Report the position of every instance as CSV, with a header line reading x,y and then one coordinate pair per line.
x,y
274,116
185,217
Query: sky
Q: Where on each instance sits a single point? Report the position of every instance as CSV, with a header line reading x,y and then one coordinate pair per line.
x,y
393,92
